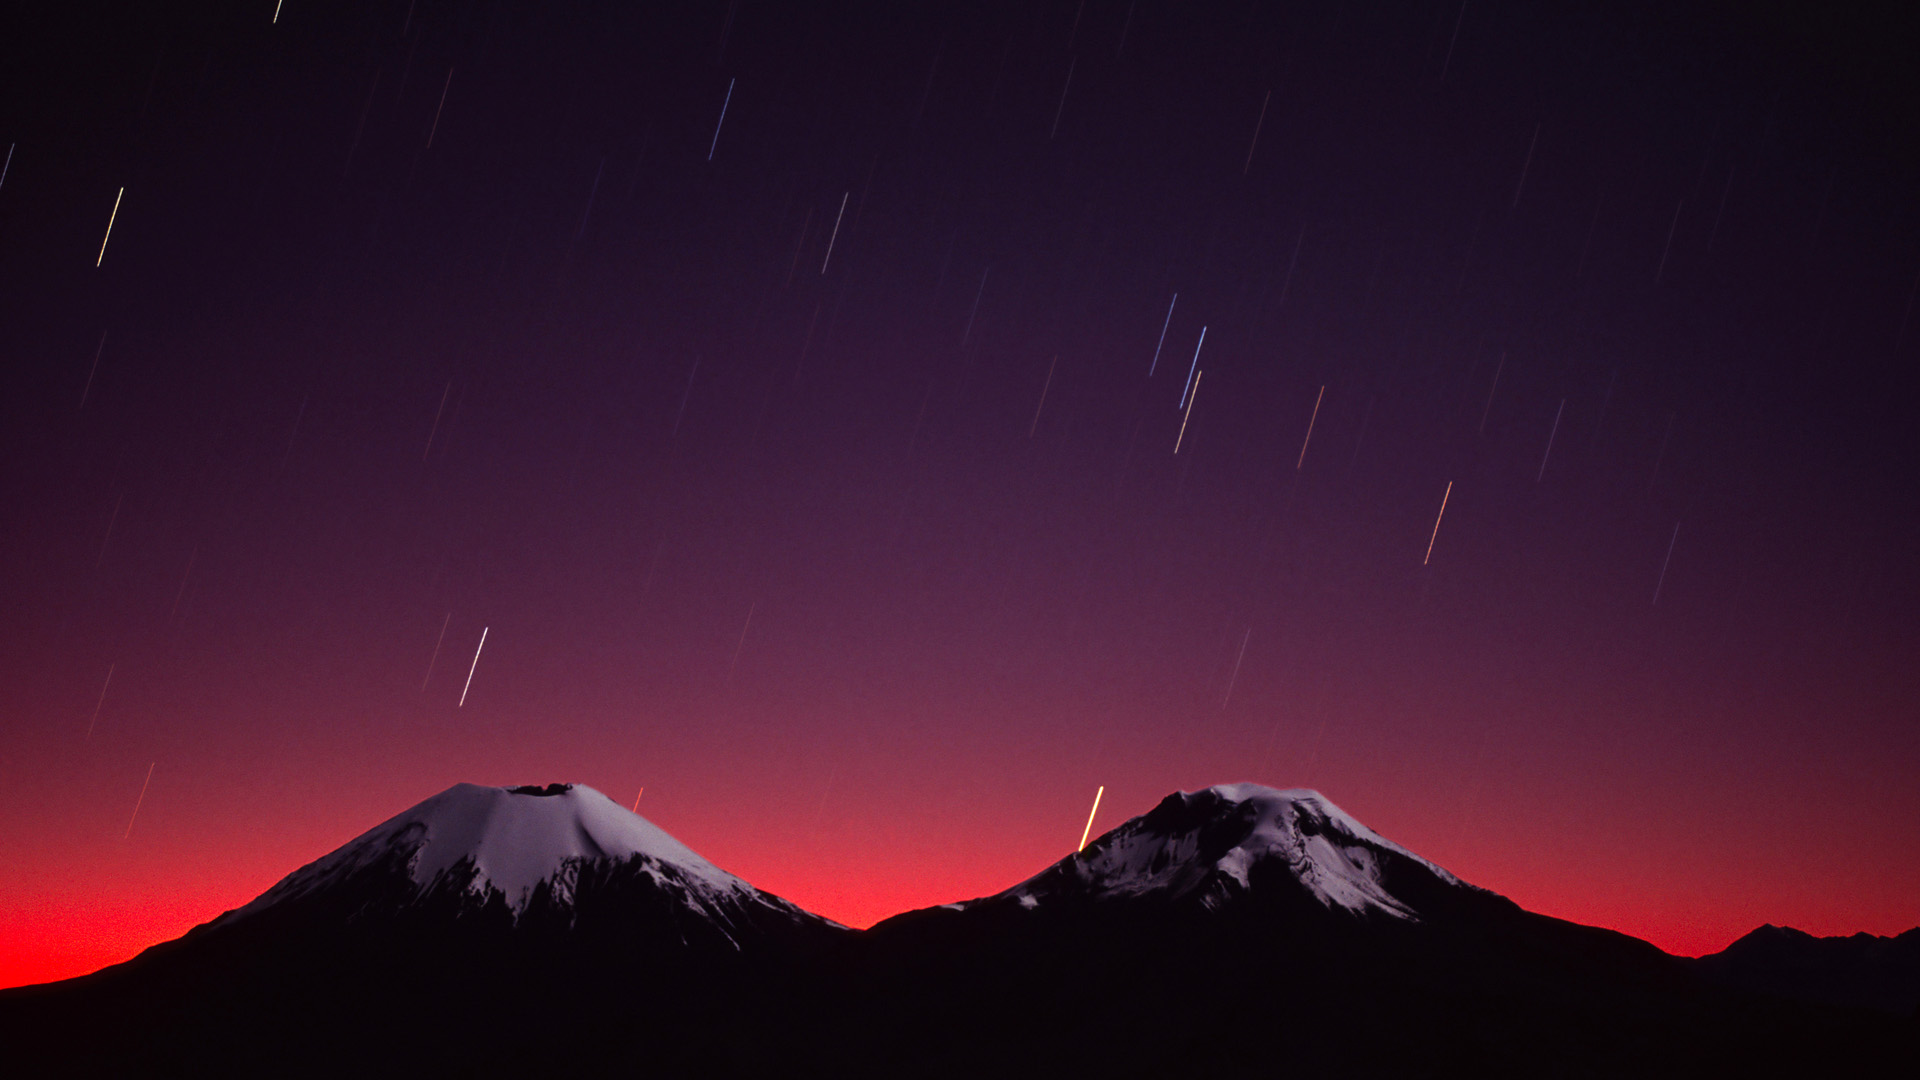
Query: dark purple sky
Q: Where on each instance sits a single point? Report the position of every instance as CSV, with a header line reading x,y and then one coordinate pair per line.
x,y
822,487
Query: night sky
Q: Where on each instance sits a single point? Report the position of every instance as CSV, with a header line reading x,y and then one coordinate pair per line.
x,y
791,394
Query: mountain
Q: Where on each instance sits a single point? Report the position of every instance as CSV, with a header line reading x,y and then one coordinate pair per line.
x,y
559,860
1287,869
1862,970
1245,928
1235,929
485,927
1244,843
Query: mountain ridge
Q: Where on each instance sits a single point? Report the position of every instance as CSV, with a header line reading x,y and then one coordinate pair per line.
x,y
1859,970
1226,928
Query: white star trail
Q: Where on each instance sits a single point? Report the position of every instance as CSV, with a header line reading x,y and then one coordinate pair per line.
x,y
435,430
1436,523
436,654
1035,426
110,219
1304,442
1168,321
431,132
1492,390
836,231
1664,563
136,803
1256,133
102,701
1672,227
742,643
1191,368
1235,677
711,147
1184,417
1542,475
1088,831
1063,100
471,669
88,389
1451,42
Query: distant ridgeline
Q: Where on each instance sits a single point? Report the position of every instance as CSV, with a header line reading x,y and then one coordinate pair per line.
x,y
1863,970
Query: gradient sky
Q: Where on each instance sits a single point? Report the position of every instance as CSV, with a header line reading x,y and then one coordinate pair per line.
x,y
814,476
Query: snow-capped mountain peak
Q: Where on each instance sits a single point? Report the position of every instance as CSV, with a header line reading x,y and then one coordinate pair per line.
x,y
1210,844
480,840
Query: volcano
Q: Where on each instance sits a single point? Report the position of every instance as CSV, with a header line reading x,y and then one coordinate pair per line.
x,y
1238,844
561,861
1240,927
485,925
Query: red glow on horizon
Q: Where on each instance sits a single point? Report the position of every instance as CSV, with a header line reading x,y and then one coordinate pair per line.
x,y
73,933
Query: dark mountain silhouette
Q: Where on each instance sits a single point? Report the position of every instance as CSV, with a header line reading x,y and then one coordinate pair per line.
x,y
1235,928
1861,970
482,926
1244,927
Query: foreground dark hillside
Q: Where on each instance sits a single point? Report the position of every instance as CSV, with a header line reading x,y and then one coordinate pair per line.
x,y
924,995
1523,995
